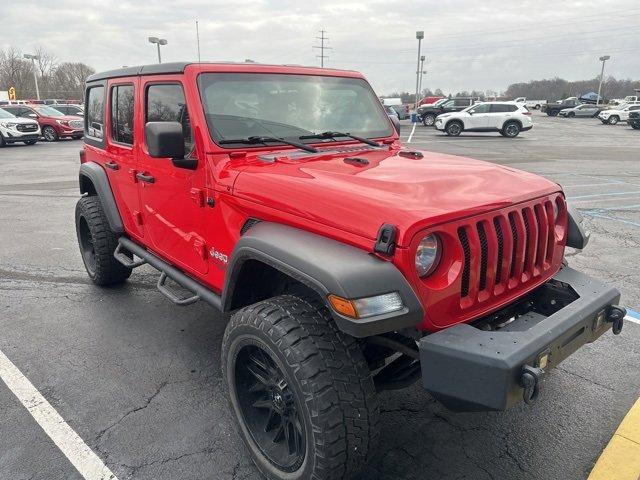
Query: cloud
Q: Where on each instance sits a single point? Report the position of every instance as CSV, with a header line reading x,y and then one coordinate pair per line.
x,y
468,44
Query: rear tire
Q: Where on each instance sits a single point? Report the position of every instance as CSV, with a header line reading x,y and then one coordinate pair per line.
x,y
571,114
49,133
429,120
510,130
613,120
288,347
553,113
635,126
97,243
453,129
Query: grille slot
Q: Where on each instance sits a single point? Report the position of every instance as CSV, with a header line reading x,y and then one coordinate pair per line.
x,y
514,235
482,235
464,242
498,227
527,235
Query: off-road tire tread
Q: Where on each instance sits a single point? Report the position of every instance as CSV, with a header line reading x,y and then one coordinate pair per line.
x,y
108,270
333,374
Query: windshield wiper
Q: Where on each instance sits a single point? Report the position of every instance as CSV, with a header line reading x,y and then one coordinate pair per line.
x,y
326,135
258,139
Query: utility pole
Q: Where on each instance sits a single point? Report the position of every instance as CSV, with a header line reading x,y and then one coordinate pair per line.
x,y
33,59
322,47
419,36
198,39
603,59
422,72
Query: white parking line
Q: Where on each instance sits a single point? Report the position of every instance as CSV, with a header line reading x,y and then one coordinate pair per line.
x,y
68,441
413,129
632,316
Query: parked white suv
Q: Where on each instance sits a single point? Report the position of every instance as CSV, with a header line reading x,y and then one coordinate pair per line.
x,y
614,115
15,129
507,118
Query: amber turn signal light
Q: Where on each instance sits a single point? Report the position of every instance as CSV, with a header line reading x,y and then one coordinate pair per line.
x,y
343,306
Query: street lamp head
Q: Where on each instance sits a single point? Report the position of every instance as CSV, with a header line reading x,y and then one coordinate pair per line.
x,y
154,39
423,58
31,57
420,35
162,41
605,57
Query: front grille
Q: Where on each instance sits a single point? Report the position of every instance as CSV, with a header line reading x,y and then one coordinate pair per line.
x,y
507,249
27,127
77,124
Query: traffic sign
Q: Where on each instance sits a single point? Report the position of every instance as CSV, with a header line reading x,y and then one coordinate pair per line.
x,y
12,93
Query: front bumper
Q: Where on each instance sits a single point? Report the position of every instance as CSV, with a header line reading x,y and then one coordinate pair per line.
x,y
471,369
71,133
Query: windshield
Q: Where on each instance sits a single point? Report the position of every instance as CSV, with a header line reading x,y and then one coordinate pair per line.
x,y
243,105
48,111
5,114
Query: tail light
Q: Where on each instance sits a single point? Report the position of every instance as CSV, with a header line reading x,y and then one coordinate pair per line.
x,y
527,113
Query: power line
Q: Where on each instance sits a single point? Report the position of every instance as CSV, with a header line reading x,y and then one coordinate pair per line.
x,y
322,47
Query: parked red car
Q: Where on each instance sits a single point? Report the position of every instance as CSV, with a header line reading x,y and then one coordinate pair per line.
x,y
429,100
54,124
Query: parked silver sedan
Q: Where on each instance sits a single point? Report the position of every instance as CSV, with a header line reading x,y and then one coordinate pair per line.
x,y
584,110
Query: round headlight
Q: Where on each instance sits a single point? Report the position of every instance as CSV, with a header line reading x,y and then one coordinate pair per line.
x,y
428,255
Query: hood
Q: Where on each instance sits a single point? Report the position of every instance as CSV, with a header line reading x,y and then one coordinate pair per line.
x,y
20,120
410,193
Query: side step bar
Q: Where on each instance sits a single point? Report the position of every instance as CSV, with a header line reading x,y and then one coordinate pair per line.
x,y
200,292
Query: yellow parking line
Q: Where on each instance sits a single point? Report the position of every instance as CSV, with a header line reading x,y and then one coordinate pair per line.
x,y
620,460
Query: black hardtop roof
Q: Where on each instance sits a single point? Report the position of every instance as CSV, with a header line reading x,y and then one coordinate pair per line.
x,y
173,67
157,68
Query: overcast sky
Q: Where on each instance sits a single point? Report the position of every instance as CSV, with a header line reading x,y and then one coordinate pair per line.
x,y
469,44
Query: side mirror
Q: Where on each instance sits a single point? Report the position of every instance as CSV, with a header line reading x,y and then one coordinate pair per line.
x,y
396,123
165,139
470,112
32,115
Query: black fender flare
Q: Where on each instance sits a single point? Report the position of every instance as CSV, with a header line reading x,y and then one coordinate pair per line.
x,y
327,267
95,174
577,236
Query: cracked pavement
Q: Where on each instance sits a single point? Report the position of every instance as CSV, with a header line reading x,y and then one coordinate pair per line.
x,y
139,378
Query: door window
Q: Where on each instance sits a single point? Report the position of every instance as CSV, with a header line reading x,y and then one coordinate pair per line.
x,y
166,103
482,108
95,113
122,102
503,108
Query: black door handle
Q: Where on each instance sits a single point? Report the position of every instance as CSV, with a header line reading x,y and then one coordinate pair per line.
x,y
145,178
112,165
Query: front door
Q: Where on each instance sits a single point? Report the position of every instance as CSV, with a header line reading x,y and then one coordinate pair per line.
x,y
478,117
172,198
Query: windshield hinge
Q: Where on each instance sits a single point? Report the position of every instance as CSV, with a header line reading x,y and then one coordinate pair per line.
x,y
386,240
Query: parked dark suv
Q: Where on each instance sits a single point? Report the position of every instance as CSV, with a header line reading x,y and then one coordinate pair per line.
x,y
428,113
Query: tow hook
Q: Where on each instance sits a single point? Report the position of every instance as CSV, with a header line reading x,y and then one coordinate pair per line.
x,y
615,315
530,381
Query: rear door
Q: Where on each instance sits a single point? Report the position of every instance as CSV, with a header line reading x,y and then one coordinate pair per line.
x,y
172,198
120,160
500,113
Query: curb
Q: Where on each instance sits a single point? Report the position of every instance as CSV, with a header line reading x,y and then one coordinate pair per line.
x,y
620,460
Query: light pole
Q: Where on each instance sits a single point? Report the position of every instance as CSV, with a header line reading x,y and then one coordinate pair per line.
x,y
158,42
422,72
603,59
419,36
33,59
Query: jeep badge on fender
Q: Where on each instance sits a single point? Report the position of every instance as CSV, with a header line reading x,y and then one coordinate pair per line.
x,y
352,265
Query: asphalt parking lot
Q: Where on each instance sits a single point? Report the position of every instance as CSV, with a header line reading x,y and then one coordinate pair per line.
x,y
139,379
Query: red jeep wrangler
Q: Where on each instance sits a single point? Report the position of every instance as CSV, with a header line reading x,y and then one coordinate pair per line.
x,y
348,263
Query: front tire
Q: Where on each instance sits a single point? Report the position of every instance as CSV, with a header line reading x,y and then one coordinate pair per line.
x,y
553,113
301,390
49,133
571,114
97,243
635,126
613,119
511,130
453,129
429,120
